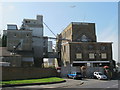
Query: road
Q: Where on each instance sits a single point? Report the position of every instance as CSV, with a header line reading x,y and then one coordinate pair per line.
x,y
70,83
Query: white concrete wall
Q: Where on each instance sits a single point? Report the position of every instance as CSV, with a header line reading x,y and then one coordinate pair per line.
x,y
37,31
36,26
39,19
38,47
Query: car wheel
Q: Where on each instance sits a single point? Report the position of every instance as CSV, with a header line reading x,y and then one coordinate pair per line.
x,y
80,78
99,78
73,77
68,76
95,77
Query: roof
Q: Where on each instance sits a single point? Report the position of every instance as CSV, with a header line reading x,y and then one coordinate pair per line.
x,y
30,19
81,23
18,30
76,23
33,19
4,52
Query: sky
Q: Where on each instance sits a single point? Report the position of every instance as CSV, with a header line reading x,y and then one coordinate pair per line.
x,y
57,15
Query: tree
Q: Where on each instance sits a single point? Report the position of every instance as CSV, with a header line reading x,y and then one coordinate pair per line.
x,y
0,42
4,41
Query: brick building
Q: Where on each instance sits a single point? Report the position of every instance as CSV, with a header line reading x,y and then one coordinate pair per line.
x,y
81,47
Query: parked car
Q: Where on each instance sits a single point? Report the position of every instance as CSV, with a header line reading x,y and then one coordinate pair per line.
x,y
75,75
99,75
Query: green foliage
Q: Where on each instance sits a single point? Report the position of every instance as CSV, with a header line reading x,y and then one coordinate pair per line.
x,y
43,80
0,42
4,41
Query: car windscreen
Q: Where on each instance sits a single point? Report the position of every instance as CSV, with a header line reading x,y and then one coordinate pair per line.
x,y
100,74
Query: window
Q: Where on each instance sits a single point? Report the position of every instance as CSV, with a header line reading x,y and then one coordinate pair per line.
x,y
90,47
64,48
84,38
91,55
12,27
27,21
79,56
78,48
27,35
103,48
103,55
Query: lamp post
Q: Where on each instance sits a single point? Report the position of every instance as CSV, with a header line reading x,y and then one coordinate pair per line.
x,y
71,67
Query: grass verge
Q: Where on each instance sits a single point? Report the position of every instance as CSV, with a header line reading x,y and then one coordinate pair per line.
x,y
43,80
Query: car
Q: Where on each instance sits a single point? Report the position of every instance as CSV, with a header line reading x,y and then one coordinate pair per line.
x,y
75,75
99,75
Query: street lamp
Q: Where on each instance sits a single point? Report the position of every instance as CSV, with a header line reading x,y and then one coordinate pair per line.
x,y
71,67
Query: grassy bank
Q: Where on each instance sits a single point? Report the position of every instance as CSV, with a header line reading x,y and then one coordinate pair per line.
x,y
43,80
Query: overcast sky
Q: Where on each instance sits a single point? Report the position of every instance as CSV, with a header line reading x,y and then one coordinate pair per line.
x,y
58,15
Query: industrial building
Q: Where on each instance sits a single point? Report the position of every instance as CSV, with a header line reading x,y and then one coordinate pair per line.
x,y
81,47
39,42
18,51
27,46
28,43
76,45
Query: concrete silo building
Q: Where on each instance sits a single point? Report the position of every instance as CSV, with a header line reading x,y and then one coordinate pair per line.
x,y
40,43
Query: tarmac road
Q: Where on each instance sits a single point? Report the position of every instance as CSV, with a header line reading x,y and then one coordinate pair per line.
x,y
85,84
